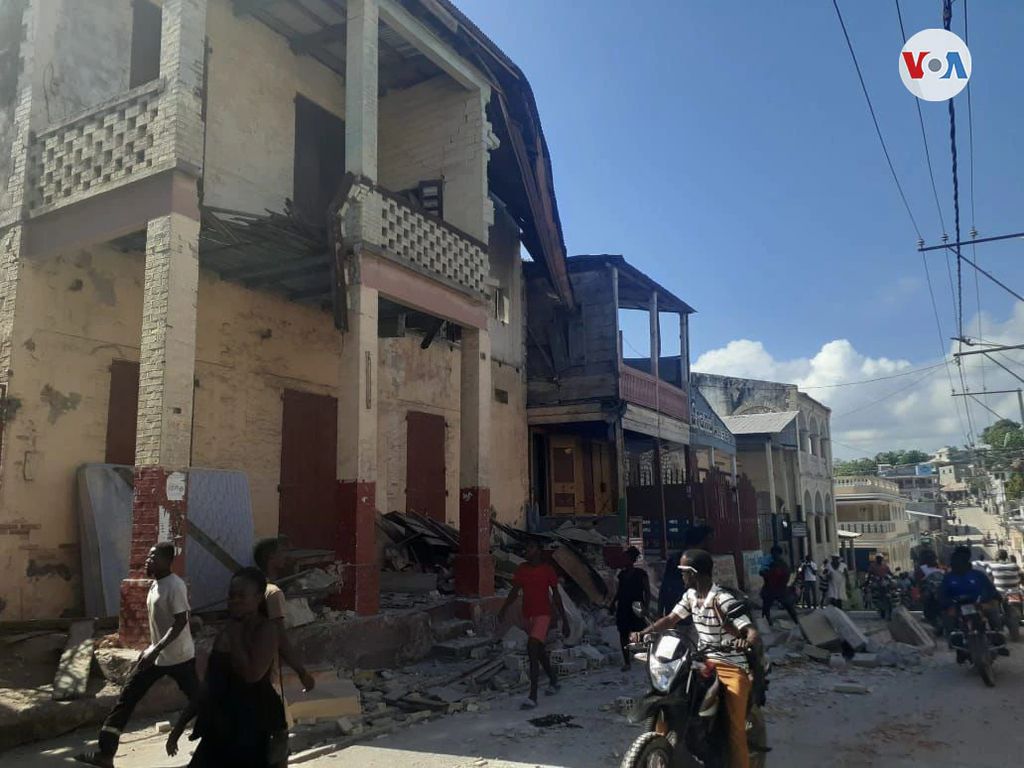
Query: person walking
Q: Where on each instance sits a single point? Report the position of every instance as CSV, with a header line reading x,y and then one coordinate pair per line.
x,y
171,652
271,557
634,586
776,586
537,582
837,571
809,582
823,582
240,719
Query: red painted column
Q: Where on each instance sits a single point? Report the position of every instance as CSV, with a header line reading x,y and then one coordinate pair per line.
x,y
159,513
474,565
356,548
355,544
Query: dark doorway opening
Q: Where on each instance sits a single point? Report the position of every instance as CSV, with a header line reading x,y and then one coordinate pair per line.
x,y
425,491
309,455
122,412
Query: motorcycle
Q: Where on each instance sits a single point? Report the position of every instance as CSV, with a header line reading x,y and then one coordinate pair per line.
x,y
974,641
886,594
1013,609
683,712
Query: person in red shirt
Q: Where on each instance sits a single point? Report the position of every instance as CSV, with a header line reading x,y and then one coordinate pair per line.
x,y
537,582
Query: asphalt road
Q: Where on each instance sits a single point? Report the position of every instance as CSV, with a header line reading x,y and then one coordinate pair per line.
x,y
938,715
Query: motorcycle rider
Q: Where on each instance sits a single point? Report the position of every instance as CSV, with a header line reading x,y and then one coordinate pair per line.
x,y
964,582
723,637
1004,574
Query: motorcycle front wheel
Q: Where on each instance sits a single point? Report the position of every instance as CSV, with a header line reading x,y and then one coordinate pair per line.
x,y
1013,622
982,659
650,750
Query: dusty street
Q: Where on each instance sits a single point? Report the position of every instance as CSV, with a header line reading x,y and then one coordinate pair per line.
x,y
937,714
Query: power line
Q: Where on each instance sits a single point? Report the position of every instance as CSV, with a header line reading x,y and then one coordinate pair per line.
x,y
880,378
974,230
895,392
874,119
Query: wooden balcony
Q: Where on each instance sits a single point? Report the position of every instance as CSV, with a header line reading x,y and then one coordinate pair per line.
x,y
643,389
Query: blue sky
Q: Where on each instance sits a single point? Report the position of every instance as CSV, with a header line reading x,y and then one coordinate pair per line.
x,y
726,149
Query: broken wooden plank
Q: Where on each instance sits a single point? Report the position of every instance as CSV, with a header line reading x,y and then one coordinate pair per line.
x,y
72,676
211,546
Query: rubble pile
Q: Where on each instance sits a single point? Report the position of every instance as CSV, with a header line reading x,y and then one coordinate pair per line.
x,y
831,637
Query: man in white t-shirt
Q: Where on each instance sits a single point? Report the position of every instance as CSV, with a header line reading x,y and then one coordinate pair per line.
x,y
809,582
171,652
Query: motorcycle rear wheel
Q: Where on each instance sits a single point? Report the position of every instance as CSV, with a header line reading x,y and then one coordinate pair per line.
x,y
982,659
1013,622
650,750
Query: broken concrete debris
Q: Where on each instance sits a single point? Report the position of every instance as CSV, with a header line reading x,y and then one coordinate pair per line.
x,y
906,628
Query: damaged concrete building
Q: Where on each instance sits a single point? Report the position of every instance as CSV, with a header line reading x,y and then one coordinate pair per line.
x,y
280,237
783,444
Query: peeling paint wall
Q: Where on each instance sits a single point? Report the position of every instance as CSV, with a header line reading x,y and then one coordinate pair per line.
x,y
251,346
83,57
414,379
81,311
12,36
250,123
509,465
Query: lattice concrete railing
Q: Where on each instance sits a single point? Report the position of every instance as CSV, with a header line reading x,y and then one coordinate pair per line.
x,y
105,147
417,237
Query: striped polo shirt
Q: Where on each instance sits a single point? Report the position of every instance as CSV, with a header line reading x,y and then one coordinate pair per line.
x,y
1005,575
714,639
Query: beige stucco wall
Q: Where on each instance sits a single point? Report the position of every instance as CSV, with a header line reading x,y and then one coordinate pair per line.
x,y
414,379
75,314
251,346
438,130
509,463
250,123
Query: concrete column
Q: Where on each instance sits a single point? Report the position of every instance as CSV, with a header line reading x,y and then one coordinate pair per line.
x,y
182,59
772,510
356,545
655,336
163,443
474,565
361,54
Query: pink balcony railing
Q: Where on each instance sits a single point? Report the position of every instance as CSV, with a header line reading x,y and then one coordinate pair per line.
x,y
643,389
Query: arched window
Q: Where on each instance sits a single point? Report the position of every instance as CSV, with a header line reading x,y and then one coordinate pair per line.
x,y
817,529
815,447
808,509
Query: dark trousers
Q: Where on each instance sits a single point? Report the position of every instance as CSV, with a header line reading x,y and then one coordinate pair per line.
x,y
809,594
138,684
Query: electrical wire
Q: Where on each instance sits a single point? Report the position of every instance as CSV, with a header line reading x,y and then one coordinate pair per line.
x,y
895,392
880,378
874,119
974,231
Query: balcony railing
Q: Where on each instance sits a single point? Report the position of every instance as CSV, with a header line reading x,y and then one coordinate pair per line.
x,y
878,527
419,239
643,389
866,484
104,147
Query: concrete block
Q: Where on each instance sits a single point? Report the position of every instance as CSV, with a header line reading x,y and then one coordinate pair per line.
x,y
905,628
817,654
460,648
864,660
851,688
845,628
838,662
330,699
297,612
818,631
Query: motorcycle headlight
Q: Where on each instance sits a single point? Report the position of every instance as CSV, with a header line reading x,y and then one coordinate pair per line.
x,y
662,673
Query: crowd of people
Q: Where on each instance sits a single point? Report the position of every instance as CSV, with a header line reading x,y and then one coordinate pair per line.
x,y
238,706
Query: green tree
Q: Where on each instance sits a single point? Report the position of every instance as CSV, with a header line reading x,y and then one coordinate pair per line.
x,y
912,456
1015,486
855,467
996,434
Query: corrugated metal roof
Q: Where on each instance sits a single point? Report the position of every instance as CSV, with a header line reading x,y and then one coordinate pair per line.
x,y
759,423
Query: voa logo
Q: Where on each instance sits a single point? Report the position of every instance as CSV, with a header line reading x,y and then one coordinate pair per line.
x,y
935,65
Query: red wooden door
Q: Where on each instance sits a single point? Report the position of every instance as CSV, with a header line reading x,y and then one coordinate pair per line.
x,y
122,412
424,466
309,456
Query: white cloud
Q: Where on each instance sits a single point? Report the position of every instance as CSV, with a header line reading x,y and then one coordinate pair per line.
x,y
914,410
